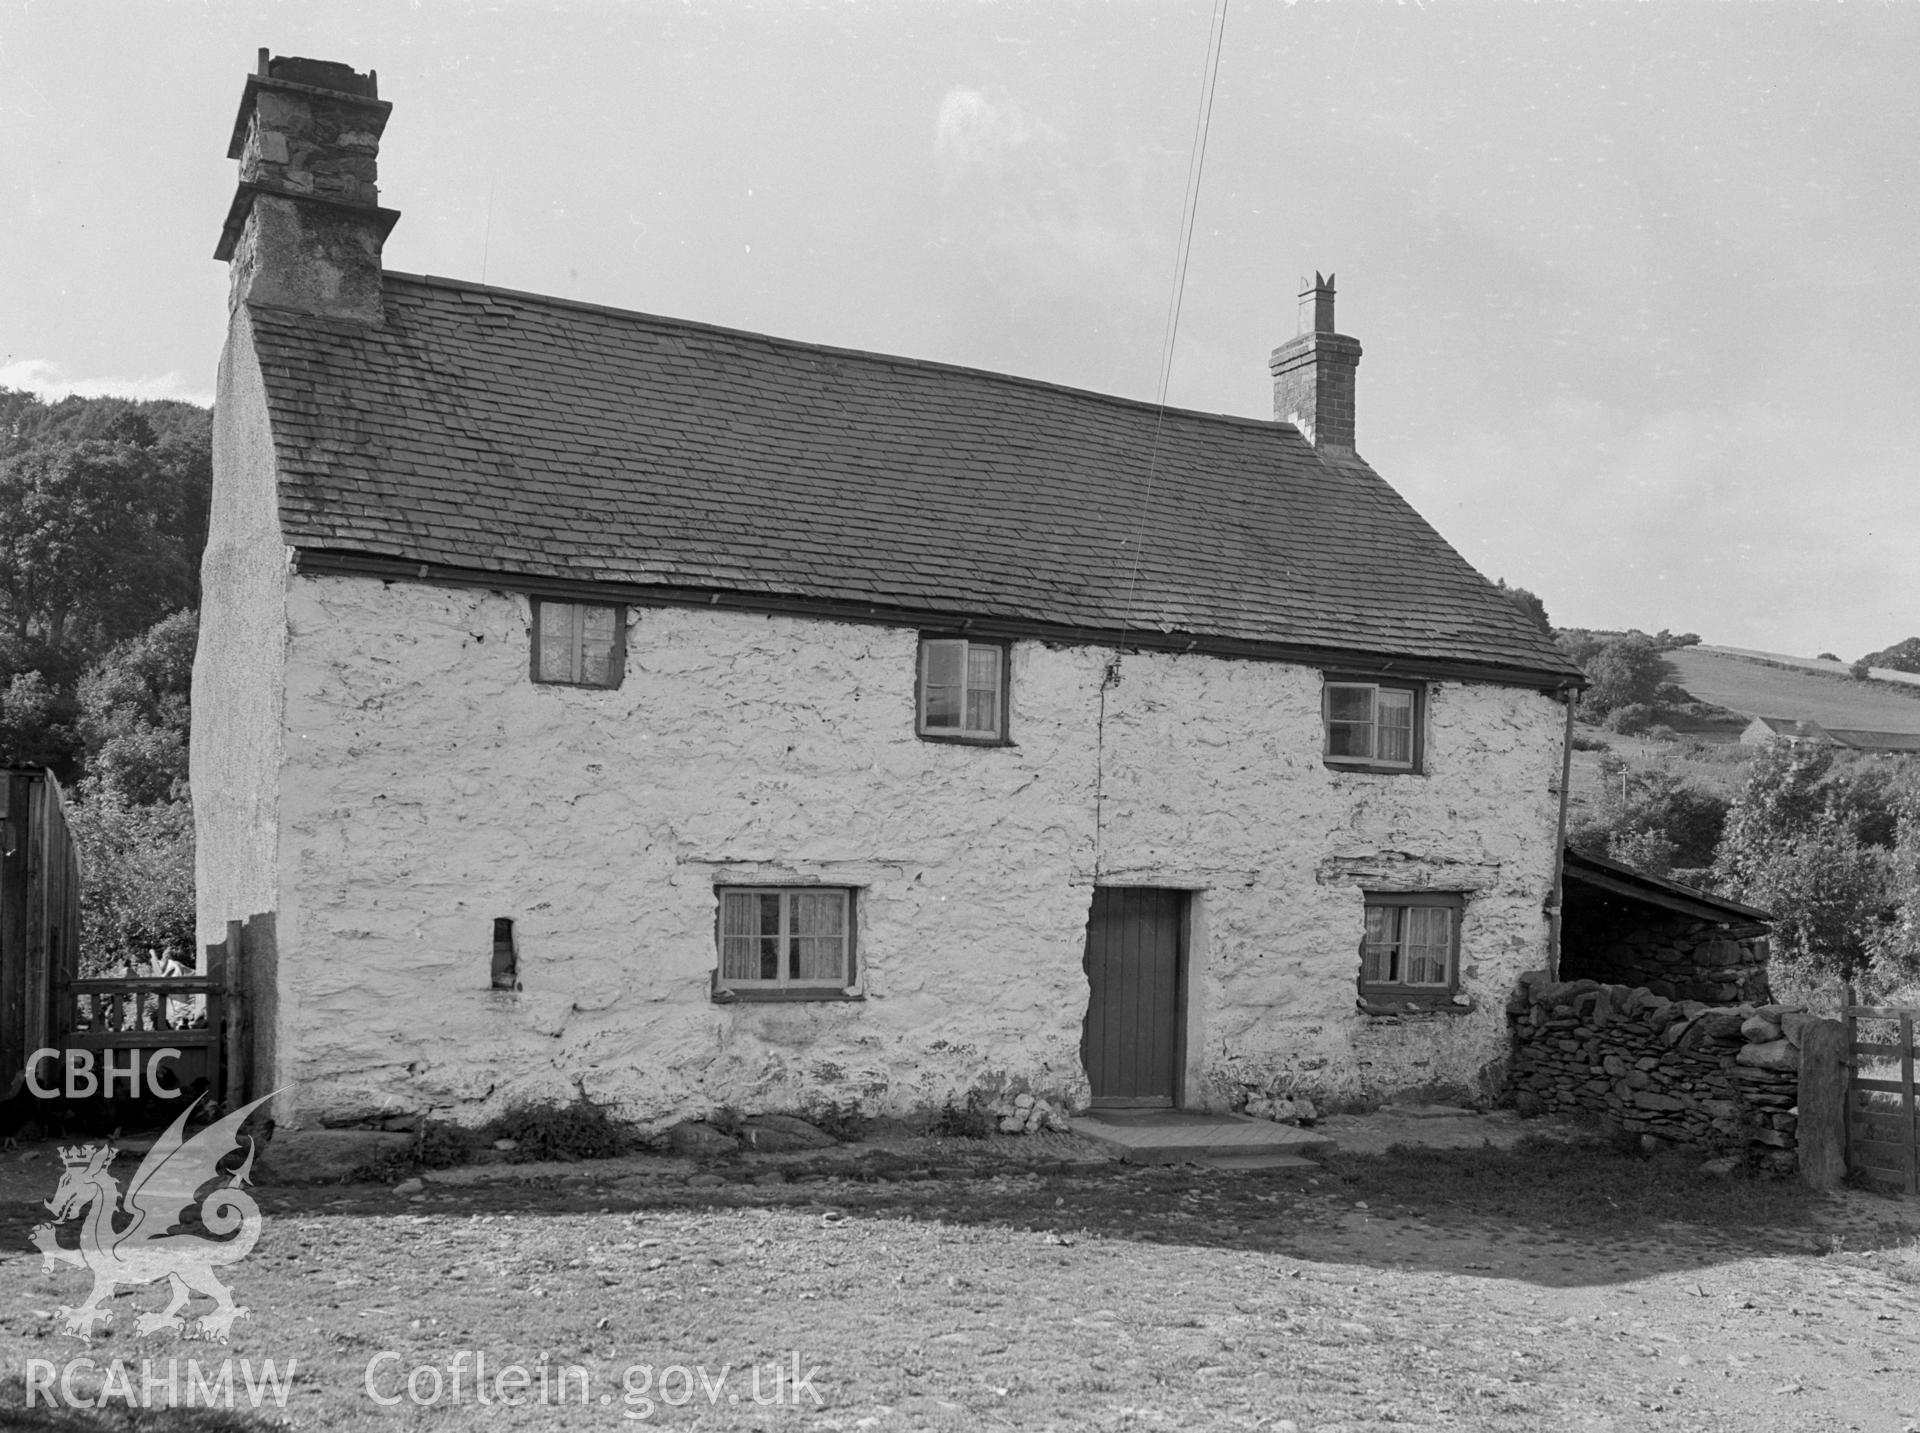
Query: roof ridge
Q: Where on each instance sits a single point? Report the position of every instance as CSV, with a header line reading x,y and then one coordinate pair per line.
x,y
866,354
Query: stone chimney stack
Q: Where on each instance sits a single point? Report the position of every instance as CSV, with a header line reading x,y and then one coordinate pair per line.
x,y
1314,374
305,228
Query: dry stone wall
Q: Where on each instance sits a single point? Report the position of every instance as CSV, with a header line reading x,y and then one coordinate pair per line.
x,y
1683,958
1721,1078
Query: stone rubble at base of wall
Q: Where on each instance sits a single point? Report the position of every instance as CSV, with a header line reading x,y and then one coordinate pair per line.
x,y
1721,1078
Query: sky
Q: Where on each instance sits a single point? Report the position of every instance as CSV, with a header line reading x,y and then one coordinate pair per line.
x,y
1638,284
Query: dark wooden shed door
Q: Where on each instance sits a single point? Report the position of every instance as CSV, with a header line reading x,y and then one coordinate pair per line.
x,y
1136,958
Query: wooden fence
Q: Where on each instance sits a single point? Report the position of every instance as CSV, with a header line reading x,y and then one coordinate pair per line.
x,y
1883,1114
39,913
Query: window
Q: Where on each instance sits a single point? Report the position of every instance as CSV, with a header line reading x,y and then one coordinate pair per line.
x,y
785,942
1372,726
1411,951
579,644
963,690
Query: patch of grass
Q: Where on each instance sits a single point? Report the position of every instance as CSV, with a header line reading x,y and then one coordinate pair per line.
x,y
1902,1264
442,1146
840,1118
963,1121
1600,1183
577,1131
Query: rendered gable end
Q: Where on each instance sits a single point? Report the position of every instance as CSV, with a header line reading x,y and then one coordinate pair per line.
x,y
238,674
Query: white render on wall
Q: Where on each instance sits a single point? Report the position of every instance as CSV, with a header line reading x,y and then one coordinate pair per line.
x,y
428,786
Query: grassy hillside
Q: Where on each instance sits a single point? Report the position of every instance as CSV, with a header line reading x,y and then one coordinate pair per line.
x,y
1754,688
1720,767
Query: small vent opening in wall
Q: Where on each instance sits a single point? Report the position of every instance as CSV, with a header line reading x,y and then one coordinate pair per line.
x,y
506,964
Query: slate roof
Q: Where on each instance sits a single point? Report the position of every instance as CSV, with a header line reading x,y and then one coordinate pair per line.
x,y
1791,727
1850,737
1607,875
509,433
1875,740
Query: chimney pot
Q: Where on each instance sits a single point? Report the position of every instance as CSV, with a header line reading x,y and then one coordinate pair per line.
x,y
1316,304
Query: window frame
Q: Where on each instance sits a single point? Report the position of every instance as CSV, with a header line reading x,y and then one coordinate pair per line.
x,y
1416,763
1400,994
961,736
616,656
726,990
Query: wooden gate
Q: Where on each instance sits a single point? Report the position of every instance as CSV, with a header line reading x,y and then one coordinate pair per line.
x,y
204,1016
1883,1116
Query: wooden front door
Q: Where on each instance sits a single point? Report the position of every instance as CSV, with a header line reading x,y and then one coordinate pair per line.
x,y
1132,1043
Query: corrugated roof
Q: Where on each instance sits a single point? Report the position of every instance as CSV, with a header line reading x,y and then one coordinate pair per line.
x,y
536,437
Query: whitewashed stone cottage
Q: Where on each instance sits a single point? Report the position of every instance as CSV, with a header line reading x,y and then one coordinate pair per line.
x,y
606,704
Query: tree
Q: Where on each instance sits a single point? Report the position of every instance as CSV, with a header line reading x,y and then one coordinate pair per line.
x,y
1900,657
1648,851
1894,964
138,869
1650,819
36,724
88,553
1626,671
133,713
1530,606
1792,847
103,514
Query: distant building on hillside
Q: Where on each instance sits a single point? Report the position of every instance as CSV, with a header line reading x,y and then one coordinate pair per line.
x,y
1763,729
1885,741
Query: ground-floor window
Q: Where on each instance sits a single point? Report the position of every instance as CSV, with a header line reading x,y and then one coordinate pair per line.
x,y
786,941
1412,946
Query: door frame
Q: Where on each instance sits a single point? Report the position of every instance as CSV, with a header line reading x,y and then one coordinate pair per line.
x,y
1183,948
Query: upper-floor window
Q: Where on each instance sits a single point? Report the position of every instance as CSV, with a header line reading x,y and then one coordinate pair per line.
x,y
786,941
962,690
580,644
1372,726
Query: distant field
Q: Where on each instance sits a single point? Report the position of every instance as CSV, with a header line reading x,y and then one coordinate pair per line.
x,y
1818,664
1755,689
1724,773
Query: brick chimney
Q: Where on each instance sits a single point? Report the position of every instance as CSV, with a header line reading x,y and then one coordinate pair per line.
x,y
305,228
1314,373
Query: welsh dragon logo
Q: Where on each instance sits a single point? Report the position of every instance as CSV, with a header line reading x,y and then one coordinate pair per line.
x,y
148,1247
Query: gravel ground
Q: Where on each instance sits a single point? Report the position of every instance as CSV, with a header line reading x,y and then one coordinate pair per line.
x,y
1030,1285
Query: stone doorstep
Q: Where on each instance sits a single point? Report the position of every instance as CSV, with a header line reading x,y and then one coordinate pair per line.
x,y
1171,1137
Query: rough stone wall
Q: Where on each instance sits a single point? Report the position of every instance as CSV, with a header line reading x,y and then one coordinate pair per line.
x,y
1619,942
320,258
428,787
1723,1078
